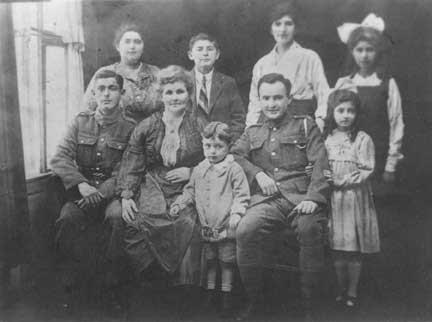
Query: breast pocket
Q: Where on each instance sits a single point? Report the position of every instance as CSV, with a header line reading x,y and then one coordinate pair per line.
x,y
294,151
86,149
115,150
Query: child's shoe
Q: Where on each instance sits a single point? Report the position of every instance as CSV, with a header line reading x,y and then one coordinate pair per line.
x,y
208,302
227,304
351,301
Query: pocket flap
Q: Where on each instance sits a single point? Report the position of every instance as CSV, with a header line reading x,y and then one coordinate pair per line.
x,y
117,145
86,139
293,139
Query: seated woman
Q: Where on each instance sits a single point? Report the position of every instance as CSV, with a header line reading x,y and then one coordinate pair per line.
x,y
157,164
139,99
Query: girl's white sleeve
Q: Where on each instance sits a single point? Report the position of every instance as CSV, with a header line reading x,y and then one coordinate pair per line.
x,y
254,109
320,87
395,116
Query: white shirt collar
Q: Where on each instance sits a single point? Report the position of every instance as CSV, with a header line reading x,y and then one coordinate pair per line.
x,y
295,45
199,76
371,80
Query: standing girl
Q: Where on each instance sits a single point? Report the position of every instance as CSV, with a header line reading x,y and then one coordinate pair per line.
x,y
353,221
302,66
381,106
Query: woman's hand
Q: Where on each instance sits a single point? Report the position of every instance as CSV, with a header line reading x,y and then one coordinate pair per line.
x,y
178,175
388,177
129,209
306,207
267,184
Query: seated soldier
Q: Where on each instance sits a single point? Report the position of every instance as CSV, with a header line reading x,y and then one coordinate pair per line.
x,y
274,155
87,160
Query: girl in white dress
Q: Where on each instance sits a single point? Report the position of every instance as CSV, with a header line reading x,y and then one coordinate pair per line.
x,y
353,220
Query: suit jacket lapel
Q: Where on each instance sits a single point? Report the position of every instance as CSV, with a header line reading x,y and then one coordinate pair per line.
x,y
215,90
194,100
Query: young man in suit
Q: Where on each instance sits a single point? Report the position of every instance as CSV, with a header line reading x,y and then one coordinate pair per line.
x,y
216,95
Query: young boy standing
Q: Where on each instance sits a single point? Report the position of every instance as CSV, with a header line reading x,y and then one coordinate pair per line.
x,y
216,95
220,192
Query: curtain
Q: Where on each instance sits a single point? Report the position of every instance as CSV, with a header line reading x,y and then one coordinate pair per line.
x,y
14,227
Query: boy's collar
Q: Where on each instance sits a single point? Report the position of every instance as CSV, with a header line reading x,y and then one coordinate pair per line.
x,y
221,167
199,75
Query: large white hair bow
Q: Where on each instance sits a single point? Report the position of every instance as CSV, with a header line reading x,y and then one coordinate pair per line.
x,y
371,20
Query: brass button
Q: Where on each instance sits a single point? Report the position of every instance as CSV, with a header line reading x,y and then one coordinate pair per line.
x,y
102,139
272,139
82,141
98,154
276,169
273,153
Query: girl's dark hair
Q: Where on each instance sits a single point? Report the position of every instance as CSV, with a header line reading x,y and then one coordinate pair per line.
x,y
335,99
376,39
125,27
286,8
218,130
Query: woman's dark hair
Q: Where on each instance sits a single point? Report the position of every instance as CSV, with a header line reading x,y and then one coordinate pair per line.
x,y
105,73
286,8
219,131
375,38
274,78
336,98
125,27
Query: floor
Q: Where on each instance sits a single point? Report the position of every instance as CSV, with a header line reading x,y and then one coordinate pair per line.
x,y
401,293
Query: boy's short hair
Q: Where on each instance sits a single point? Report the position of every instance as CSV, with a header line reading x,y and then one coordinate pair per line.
x,y
274,78
219,131
105,73
203,36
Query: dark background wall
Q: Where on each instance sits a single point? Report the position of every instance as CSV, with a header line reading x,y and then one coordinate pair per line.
x,y
243,32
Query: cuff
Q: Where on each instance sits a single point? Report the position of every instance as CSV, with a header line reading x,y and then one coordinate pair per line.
x,y
127,194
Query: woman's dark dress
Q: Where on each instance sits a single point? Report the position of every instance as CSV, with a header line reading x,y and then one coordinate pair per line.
x,y
154,235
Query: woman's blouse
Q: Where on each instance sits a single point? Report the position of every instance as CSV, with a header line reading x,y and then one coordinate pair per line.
x,y
140,97
144,151
304,69
394,111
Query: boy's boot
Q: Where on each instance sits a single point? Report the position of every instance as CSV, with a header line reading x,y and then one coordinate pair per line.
x,y
227,304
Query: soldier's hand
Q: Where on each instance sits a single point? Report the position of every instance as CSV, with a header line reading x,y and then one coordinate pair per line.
x,y
320,123
86,190
178,175
306,207
129,209
267,184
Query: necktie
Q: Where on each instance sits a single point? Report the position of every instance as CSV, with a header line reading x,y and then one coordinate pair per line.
x,y
203,98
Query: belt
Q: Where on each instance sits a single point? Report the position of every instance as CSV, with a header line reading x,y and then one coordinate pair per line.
x,y
97,174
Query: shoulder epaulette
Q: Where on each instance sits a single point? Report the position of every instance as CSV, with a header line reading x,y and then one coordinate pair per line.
x,y
129,119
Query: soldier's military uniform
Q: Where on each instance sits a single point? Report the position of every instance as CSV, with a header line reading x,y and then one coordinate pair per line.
x,y
282,149
90,152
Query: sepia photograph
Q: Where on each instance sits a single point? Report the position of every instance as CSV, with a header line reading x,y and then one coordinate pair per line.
x,y
215,160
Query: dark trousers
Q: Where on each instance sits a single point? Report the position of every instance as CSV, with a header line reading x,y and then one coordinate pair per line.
x,y
256,234
90,241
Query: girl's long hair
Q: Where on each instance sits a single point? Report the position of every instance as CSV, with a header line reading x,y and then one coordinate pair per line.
x,y
335,99
376,39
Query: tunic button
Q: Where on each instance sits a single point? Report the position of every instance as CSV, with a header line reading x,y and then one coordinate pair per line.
x,y
98,154
278,183
97,169
272,139
119,146
276,169
102,139
273,153
97,182
82,141
295,141
274,129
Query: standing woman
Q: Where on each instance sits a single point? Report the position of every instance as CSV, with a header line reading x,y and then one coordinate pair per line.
x,y
139,99
157,164
303,67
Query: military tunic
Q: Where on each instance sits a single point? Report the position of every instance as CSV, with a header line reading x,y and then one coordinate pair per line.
x,y
90,152
281,149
